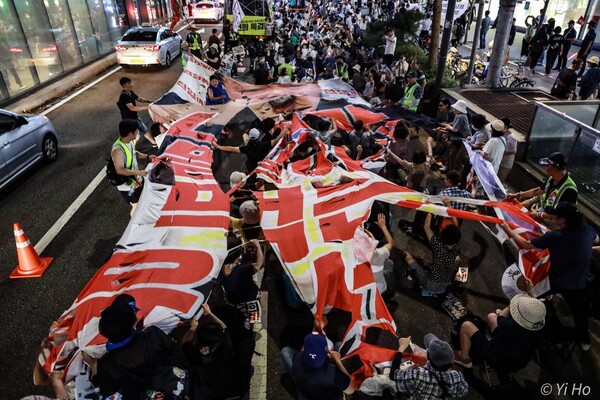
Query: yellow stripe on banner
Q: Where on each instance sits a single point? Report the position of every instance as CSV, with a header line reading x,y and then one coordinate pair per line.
x,y
23,245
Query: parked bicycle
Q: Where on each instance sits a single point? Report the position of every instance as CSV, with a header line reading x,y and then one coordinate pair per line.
x,y
510,78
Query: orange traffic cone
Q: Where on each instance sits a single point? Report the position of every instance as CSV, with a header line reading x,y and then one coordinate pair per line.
x,y
30,264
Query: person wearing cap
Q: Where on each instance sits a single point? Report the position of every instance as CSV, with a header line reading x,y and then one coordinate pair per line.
x,y
559,187
586,45
247,227
261,74
134,355
565,84
508,158
570,249
493,151
554,42
213,57
341,68
460,127
590,80
317,371
194,41
254,149
413,92
516,332
569,34
436,379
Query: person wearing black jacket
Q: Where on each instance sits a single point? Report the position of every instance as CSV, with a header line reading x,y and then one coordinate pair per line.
x,y
537,45
554,43
138,360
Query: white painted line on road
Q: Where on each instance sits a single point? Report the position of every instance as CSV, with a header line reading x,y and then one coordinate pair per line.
x,y
258,383
62,221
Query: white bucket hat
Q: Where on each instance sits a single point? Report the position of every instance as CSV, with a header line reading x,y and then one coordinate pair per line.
x,y
461,106
236,177
528,312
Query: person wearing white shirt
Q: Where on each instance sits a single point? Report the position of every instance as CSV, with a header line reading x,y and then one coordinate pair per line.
x,y
493,151
390,47
381,265
508,158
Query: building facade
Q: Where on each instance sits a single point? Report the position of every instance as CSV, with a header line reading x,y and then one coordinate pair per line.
x,y
561,10
43,39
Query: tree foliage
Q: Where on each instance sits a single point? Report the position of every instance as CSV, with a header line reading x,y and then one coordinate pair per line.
x,y
405,25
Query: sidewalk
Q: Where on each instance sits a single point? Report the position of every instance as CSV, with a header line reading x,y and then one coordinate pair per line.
x,y
543,82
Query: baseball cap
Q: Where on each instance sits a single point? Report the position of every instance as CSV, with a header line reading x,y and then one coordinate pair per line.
x,y
254,134
557,160
411,74
438,352
314,354
564,210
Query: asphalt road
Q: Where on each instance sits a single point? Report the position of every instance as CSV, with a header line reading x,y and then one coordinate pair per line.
x,y
87,126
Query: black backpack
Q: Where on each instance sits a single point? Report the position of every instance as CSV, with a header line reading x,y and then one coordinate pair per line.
x,y
112,176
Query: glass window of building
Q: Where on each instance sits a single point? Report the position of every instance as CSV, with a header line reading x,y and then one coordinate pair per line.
x,y
39,36
66,38
100,25
86,37
561,10
16,71
113,21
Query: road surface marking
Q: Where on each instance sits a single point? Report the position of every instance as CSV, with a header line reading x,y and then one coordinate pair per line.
x,y
62,221
258,383
66,216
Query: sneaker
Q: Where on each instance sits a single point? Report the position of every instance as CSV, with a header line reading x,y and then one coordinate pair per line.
x,y
584,346
464,363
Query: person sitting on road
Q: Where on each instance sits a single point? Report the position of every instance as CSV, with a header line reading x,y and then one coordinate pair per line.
x,y
237,278
317,371
220,354
436,380
216,92
445,249
247,227
516,332
137,360
213,57
255,149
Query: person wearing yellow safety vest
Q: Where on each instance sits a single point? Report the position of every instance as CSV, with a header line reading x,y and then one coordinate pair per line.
x,y
413,92
195,41
124,158
185,54
341,68
558,188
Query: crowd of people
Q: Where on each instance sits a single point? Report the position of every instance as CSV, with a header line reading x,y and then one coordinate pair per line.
x,y
210,357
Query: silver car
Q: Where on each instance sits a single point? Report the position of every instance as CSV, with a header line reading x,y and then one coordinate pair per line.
x,y
148,46
25,140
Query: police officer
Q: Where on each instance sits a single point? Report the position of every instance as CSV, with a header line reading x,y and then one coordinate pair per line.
x,y
413,92
558,188
341,68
